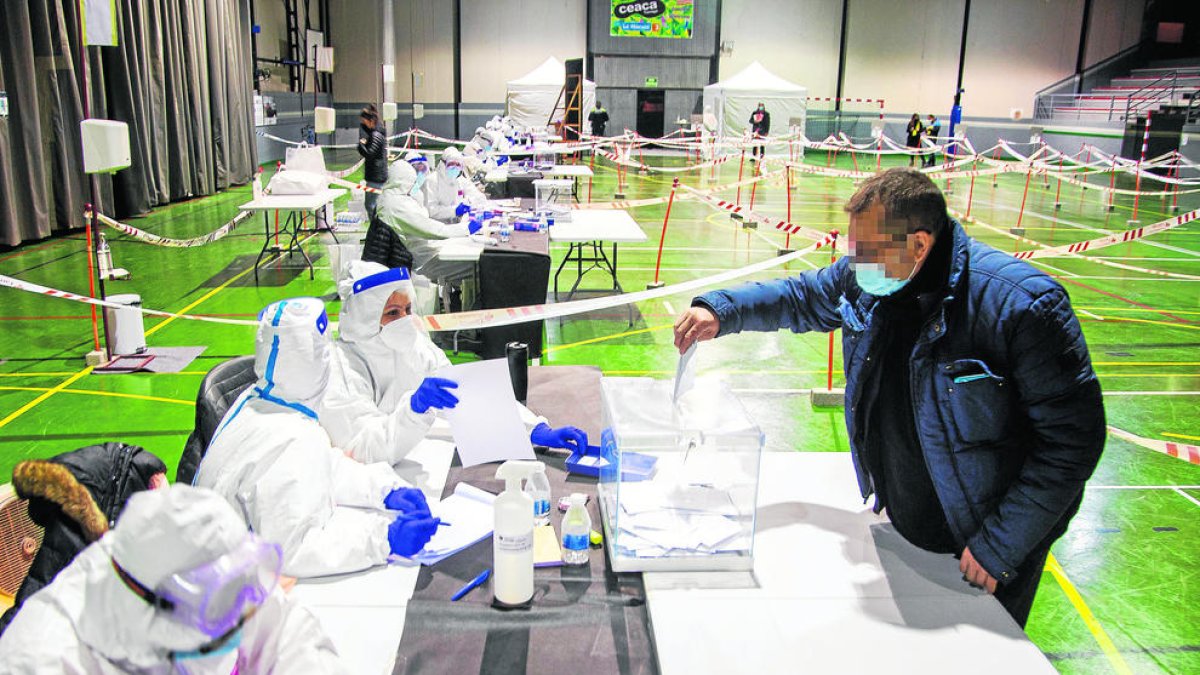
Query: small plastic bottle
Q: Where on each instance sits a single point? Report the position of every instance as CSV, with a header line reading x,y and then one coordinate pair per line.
x,y
258,186
542,226
576,531
505,229
537,486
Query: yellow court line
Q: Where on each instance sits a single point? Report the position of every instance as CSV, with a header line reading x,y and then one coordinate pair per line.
x,y
67,382
1127,319
1183,436
153,329
45,395
1148,374
114,394
606,337
1137,309
1097,631
1146,363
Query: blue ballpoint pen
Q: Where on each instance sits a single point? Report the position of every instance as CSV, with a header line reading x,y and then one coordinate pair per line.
x,y
483,576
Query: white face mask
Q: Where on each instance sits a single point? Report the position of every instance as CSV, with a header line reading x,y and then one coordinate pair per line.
x,y
400,335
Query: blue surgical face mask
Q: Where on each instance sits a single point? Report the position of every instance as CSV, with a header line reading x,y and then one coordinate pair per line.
x,y
416,188
874,280
454,171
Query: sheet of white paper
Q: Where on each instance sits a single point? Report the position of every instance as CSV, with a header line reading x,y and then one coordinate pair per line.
x,y
471,517
685,373
485,423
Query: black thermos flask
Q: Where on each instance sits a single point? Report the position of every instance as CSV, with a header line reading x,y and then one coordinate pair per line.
x,y
518,369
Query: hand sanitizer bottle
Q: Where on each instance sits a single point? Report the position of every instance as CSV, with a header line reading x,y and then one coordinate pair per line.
x,y
576,530
512,540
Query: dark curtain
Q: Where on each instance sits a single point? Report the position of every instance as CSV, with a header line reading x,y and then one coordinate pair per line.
x,y
179,77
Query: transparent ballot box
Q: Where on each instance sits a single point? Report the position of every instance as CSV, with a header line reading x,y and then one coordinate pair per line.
x,y
552,196
678,478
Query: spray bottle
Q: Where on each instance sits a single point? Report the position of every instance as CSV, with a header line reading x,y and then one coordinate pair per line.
x,y
512,541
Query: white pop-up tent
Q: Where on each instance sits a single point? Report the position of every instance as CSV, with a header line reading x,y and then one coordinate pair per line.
x,y
531,98
728,104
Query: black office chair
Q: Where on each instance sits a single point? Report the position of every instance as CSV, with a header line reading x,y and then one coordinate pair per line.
x,y
219,389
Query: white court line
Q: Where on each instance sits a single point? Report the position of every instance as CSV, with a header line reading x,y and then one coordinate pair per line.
x,y
670,309
1087,313
1107,393
1188,497
1039,262
1141,487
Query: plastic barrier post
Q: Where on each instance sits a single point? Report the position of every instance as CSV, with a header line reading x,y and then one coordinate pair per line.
x,y
1058,190
663,237
1024,196
738,199
88,216
1137,184
787,241
829,397
971,190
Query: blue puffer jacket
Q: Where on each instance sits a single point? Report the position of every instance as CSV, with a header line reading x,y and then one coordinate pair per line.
x,y
1007,406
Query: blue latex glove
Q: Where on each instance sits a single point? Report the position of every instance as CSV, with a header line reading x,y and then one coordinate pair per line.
x,y
567,438
409,501
407,535
501,160
474,225
433,394
461,210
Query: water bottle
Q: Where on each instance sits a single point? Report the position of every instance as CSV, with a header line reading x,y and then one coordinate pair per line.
x,y
542,226
537,486
505,229
576,530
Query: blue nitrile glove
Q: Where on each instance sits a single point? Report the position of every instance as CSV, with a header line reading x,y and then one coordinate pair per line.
x,y
409,501
433,394
462,209
408,534
501,160
567,438
474,225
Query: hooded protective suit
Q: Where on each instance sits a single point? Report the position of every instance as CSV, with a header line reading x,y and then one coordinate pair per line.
x,y
366,411
90,621
274,463
408,217
444,192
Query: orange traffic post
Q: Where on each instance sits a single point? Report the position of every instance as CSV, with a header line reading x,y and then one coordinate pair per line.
x,y
1112,182
1024,195
971,190
741,167
1058,190
88,215
787,242
663,237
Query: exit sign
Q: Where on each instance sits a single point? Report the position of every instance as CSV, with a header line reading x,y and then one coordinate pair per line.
x,y
651,81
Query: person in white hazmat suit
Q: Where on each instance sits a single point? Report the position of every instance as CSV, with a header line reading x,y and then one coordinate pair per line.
x,y
448,194
401,207
390,391
420,164
178,585
271,459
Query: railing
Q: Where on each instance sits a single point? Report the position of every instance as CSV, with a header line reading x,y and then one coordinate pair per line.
x,y
1112,107
1159,92
1192,114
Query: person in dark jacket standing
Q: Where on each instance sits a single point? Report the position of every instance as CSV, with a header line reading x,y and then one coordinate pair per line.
x,y
933,129
913,140
973,412
372,147
760,126
599,119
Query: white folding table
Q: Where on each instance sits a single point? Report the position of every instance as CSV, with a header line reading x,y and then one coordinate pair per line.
x,y
295,206
594,227
834,589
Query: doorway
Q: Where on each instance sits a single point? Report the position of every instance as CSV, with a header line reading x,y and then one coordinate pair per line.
x,y
651,111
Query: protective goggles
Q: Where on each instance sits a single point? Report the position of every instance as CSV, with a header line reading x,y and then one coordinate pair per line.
x,y
214,596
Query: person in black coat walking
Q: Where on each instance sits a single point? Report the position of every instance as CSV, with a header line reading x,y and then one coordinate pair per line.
x,y
372,147
760,126
913,131
599,119
933,129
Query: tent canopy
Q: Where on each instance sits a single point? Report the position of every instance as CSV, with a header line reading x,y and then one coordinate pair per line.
x,y
531,98
731,101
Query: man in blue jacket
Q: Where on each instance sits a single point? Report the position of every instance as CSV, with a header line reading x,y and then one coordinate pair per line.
x,y
973,412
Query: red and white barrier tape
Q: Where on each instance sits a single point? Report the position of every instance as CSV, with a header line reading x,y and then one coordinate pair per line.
x,y
1188,453
157,240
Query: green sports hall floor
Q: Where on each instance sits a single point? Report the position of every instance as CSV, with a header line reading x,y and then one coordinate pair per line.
x,y
1126,597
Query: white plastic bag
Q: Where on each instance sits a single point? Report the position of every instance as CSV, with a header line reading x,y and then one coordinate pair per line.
x,y
292,182
305,158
